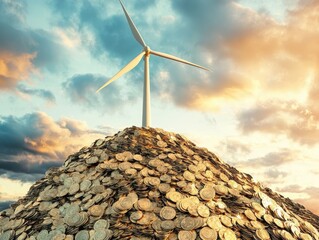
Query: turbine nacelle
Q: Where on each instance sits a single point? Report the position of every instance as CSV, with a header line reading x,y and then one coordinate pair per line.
x,y
132,64
147,51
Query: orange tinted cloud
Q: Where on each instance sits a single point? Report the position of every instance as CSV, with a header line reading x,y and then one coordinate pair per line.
x,y
14,68
58,139
264,59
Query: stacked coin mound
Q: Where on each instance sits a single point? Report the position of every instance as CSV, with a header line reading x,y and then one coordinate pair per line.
x,y
151,184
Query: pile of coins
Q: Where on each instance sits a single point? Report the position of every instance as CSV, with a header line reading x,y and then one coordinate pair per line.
x,y
151,184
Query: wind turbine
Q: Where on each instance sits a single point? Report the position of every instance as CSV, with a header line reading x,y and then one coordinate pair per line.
x,y
146,54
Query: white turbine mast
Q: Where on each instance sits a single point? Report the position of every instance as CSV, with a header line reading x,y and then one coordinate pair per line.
x,y
146,54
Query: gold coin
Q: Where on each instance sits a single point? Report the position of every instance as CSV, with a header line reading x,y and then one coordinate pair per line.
x,y
189,176
256,224
167,213
203,211
96,210
232,184
135,216
278,223
192,209
186,235
250,215
305,236
226,221
174,196
137,157
144,204
167,225
207,193
221,189
214,223
229,235
268,218
262,234
161,144
286,235
223,177
164,187
188,223
207,233
172,156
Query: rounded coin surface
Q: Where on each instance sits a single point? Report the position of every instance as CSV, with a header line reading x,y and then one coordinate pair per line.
x,y
135,216
167,213
229,235
167,225
207,233
262,234
174,196
82,235
250,215
203,211
214,222
278,223
186,235
188,223
226,221
96,210
207,193
144,204
101,224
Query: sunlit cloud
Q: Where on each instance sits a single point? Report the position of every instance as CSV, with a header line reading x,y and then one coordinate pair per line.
x,y
10,189
38,134
15,68
69,37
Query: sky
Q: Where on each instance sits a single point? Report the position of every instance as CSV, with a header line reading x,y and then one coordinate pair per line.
x,y
257,109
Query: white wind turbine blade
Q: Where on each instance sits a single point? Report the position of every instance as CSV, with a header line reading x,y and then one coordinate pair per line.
x,y
132,64
134,30
171,57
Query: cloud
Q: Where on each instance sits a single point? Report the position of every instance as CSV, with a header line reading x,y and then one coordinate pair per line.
x,y
14,68
272,159
12,189
275,174
310,200
26,167
5,204
39,134
42,93
35,142
298,122
23,50
81,89
252,55
103,33
13,11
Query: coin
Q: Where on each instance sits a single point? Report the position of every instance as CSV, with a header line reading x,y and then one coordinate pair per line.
x,y
214,223
82,235
144,204
250,215
186,235
226,221
167,213
203,211
174,196
188,223
145,183
262,234
167,225
207,233
207,193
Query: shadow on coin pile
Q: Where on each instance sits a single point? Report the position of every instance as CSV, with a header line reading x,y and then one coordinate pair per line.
x,y
151,184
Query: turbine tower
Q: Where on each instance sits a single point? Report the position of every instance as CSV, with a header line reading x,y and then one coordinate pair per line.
x,y
146,54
